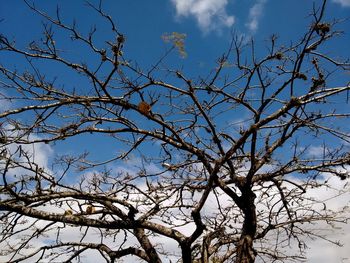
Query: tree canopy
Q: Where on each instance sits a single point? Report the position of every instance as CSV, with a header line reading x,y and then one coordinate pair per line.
x,y
222,167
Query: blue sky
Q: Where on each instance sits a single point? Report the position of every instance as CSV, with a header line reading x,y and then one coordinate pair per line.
x,y
208,25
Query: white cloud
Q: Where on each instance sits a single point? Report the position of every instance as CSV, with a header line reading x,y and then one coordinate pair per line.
x,y
210,14
335,194
321,250
255,13
315,151
343,3
27,155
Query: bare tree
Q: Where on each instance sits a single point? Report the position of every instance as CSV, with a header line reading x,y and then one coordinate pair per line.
x,y
183,176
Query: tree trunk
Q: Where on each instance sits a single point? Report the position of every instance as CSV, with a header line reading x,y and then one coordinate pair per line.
x,y
186,254
245,250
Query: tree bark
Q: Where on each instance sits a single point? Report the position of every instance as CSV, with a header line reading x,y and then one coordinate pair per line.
x,y
147,246
245,250
186,254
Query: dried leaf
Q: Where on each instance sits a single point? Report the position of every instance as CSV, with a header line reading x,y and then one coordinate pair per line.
x,y
90,209
68,212
178,40
144,107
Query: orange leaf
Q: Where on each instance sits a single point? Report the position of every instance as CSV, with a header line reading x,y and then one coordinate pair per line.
x,y
144,107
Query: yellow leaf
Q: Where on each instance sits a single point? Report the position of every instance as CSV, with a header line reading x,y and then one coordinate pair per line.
x,y
178,41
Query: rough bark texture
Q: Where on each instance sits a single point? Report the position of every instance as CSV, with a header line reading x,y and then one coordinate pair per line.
x,y
147,246
245,251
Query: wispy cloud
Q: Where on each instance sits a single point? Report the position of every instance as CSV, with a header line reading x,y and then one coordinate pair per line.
x,y
316,151
209,14
344,3
255,13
